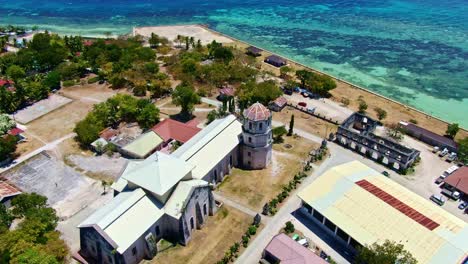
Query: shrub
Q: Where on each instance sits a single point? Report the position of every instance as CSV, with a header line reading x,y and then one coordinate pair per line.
x,y
289,228
252,230
414,121
68,83
93,80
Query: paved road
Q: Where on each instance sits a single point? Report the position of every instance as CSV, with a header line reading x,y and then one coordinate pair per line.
x,y
234,204
211,101
254,251
48,146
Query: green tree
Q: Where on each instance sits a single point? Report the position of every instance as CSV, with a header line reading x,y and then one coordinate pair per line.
x,y
148,115
15,72
381,113
463,150
5,219
291,126
285,71
452,130
289,227
6,123
88,129
35,256
212,115
278,133
52,80
7,147
185,96
362,106
387,253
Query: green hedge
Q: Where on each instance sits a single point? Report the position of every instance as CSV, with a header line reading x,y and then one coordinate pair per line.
x,y
68,83
93,80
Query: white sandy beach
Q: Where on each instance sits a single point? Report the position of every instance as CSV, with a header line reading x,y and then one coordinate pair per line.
x,y
171,32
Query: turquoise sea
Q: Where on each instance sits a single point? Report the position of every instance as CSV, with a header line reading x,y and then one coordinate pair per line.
x,y
414,51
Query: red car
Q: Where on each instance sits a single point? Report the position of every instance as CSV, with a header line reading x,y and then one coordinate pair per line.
x,y
303,104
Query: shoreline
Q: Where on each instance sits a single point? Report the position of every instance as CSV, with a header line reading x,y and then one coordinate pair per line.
x,y
337,79
430,119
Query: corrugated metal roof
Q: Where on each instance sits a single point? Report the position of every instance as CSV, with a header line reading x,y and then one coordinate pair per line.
x,y
459,179
158,173
171,129
181,196
211,145
368,218
7,190
144,144
125,218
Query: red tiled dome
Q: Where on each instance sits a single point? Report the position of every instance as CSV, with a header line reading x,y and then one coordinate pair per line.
x,y
257,112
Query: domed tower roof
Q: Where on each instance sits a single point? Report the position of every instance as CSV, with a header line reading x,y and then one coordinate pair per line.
x,y
257,112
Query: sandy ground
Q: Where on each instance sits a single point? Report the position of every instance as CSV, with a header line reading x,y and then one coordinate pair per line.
x,y
40,108
304,122
325,107
396,111
171,32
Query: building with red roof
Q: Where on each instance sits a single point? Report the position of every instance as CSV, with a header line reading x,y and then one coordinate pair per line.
x,y
283,249
169,130
8,84
7,192
278,104
108,133
458,181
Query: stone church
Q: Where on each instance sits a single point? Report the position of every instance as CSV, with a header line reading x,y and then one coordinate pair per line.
x,y
170,195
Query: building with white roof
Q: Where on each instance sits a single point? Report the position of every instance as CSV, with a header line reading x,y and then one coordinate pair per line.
x,y
169,196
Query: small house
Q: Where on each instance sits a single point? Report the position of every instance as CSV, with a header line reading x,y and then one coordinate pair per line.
x,y
225,92
18,133
429,137
278,104
283,249
458,181
7,193
254,51
171,130
275,61
143,146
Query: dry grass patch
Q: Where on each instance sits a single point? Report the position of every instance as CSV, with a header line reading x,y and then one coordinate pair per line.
x,y
27,146
59,122
253,188
209,244
305,122
89,92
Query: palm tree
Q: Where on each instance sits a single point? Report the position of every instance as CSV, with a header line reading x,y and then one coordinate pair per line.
x,y
192,42
178,40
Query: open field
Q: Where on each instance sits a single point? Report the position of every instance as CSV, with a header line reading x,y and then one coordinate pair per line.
x,y
209,244
396,111
253,188
40,108
305,122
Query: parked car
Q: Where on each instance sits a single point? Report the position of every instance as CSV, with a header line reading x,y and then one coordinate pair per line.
x,y
452,194
385,173
435,149
288,91
303,104
451,157
439,180
303,242
443,152
463,205
438,199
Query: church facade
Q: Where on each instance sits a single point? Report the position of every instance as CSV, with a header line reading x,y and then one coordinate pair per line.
x,y
170,195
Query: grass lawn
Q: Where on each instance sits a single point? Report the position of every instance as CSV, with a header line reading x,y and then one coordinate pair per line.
x,y
209,244
254,188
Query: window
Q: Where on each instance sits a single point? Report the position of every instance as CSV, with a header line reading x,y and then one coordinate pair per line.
x,y
248,154
261,126
317,216
216,175
134,251
157,231
308,207
330,225
192,225
204,209
342,235
250,125
250,140
230,160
